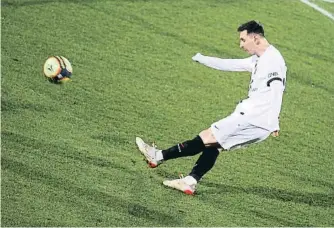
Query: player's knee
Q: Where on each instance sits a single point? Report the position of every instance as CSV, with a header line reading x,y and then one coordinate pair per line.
x,y
207,137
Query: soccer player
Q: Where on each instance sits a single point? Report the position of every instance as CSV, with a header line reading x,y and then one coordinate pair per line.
x,y
253,119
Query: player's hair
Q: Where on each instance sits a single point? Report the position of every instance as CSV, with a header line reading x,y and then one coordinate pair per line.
x,y
252,27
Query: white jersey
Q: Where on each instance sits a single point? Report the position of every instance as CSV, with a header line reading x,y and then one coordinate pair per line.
x,y
263,105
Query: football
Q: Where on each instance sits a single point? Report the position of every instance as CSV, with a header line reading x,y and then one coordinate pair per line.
x,y
57,69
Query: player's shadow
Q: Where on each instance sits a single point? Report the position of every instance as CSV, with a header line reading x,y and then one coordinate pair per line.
x,y
299,197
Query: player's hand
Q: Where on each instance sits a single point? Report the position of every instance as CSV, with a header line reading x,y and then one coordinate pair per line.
x,y
275,134
197,57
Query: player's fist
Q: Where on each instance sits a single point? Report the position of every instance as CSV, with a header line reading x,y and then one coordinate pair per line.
x,y
197,57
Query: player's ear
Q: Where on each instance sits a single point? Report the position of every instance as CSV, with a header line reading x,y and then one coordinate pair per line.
x,y
257,39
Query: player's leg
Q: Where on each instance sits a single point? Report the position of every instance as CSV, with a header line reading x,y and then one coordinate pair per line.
x,y
191,147
231,132
204,163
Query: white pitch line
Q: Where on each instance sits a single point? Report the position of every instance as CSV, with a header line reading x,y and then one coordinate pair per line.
x,y
321,10
330,1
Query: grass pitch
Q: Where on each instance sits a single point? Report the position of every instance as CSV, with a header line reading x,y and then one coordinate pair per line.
x,y
68,156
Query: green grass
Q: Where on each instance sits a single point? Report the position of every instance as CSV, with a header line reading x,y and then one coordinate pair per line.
x,y
68,156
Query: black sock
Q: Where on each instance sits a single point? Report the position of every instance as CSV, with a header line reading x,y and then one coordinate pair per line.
x,y
187,148
204,163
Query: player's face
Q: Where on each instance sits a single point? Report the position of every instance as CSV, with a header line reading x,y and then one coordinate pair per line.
x,y
247,42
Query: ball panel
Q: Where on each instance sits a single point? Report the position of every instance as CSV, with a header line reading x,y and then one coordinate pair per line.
x,y
67,64
51,67
62,64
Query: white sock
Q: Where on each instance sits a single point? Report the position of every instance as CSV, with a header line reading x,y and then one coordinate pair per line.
x,y
159,155
190,180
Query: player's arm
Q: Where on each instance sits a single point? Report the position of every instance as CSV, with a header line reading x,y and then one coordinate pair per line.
x,y
224,64
276,84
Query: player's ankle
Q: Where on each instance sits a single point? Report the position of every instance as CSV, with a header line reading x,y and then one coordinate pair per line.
x,y
190,180
159,156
